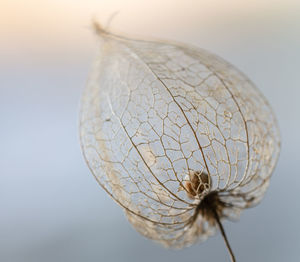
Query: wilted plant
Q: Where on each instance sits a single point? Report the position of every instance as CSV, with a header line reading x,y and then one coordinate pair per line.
x,y
176,136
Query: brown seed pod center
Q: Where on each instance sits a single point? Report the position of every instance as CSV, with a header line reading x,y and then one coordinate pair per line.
x,y
198,182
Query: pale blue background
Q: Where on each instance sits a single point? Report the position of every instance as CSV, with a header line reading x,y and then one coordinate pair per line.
x,y
52,209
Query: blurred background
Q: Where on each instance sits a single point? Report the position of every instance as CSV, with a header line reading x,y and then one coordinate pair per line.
x,y
51,208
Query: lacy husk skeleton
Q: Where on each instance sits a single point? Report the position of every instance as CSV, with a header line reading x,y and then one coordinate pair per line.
x,y
177,136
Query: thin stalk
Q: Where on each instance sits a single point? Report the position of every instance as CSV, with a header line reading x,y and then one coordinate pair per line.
x,y
224,236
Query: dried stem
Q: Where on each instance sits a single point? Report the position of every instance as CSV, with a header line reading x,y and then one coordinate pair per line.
x,y
224,235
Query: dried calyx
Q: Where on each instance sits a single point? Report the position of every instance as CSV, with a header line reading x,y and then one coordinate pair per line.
x,y
154,111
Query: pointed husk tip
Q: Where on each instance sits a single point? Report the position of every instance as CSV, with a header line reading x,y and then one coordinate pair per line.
x,y
98,28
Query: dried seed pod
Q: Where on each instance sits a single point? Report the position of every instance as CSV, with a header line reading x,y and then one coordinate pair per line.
x,y
176,136
196,183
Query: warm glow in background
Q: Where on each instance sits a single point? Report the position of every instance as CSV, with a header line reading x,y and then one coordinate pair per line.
x,y
51,208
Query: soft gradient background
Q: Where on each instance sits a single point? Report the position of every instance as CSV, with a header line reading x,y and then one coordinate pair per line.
x,y
51,208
